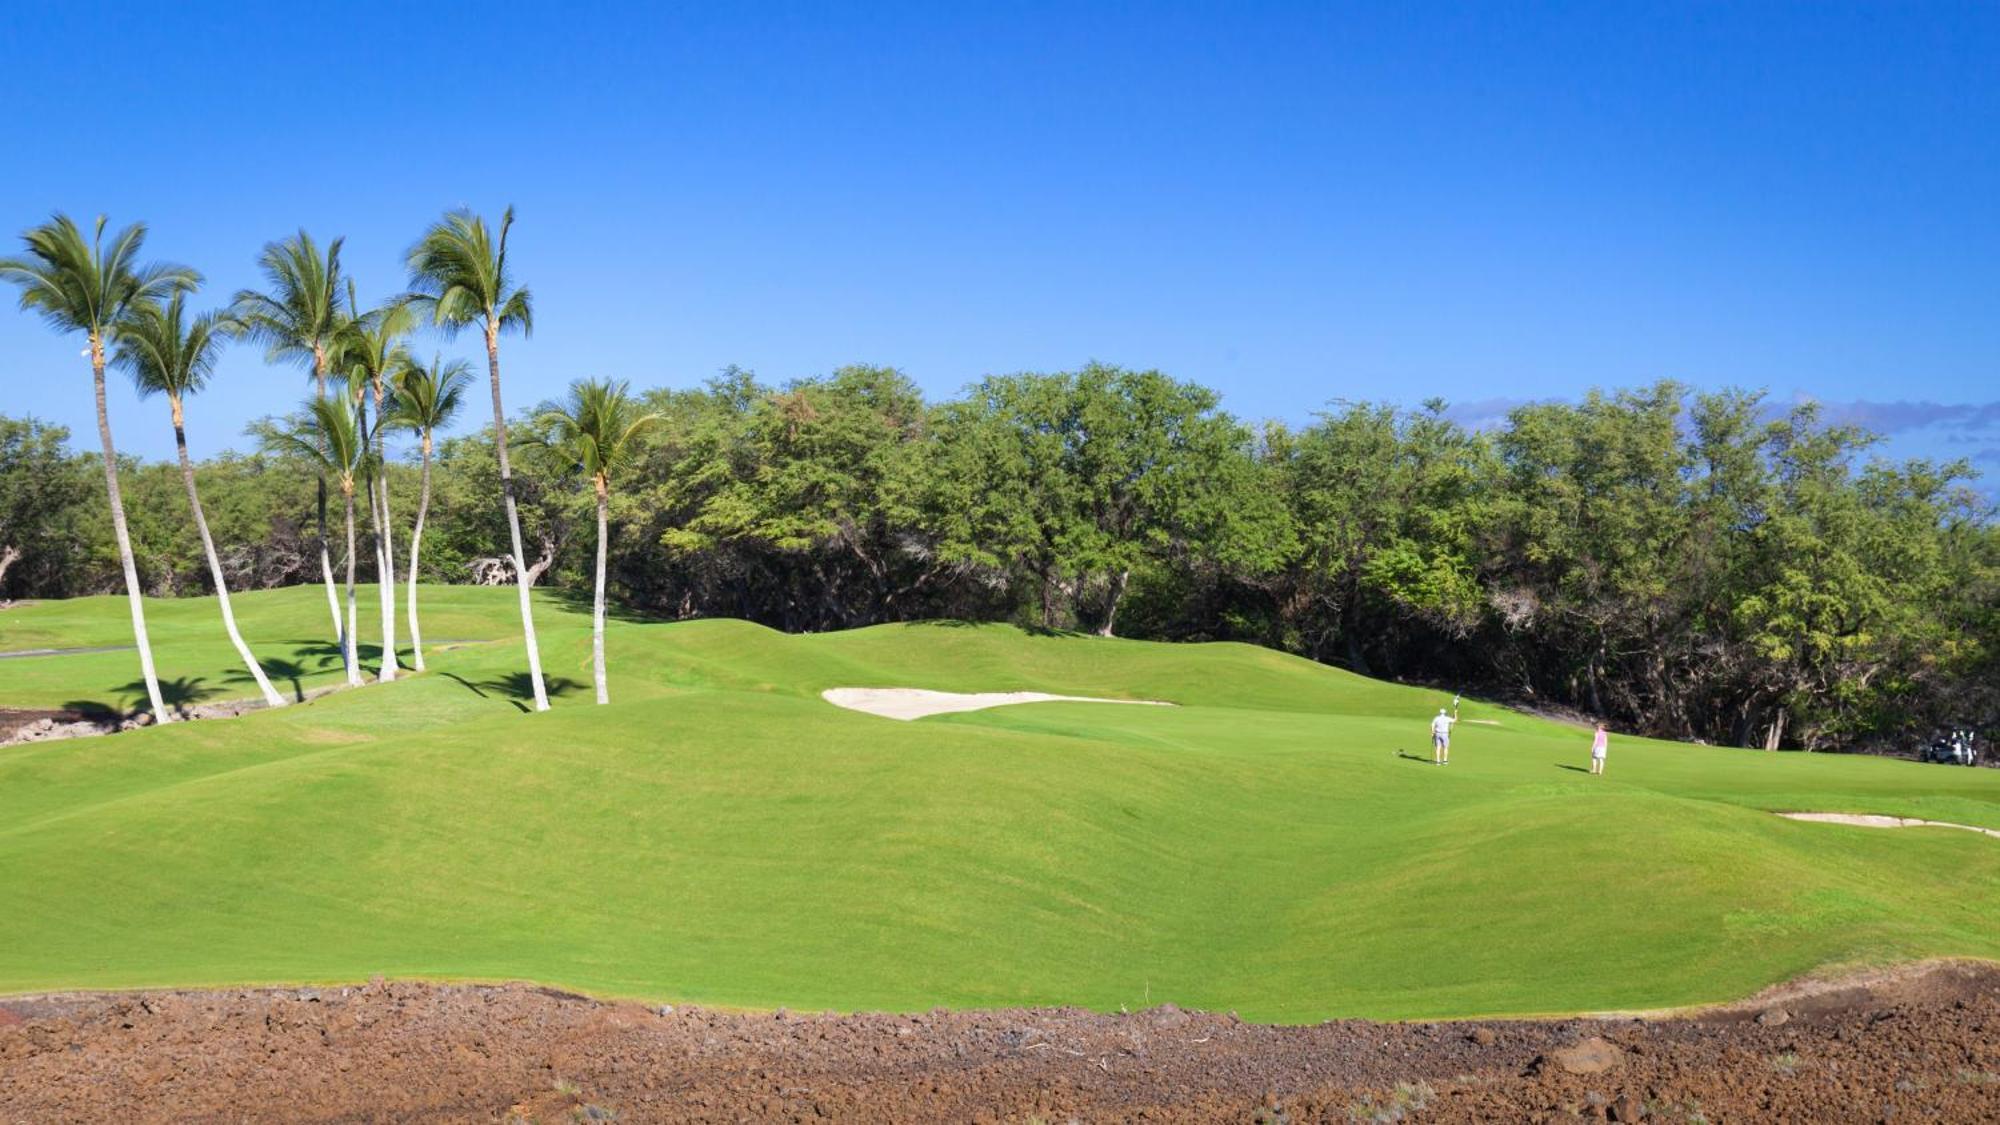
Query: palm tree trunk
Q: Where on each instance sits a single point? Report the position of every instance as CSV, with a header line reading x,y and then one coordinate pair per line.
x,y
325,551
514,518
160,713
597,604
271,696
347,649
387,531
378,519
416,545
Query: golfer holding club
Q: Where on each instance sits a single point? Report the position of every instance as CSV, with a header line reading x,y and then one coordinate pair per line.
x,y
1441,737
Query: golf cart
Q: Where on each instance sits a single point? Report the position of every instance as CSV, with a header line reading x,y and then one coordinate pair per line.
x,y
1954,749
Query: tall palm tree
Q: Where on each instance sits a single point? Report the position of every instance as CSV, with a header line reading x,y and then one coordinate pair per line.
x,y
165,354
82,285
426,400
458,273
372,352
299,320
327,435
597,429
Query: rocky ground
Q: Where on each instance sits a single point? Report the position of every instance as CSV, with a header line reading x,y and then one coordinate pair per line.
x,y
1917,1045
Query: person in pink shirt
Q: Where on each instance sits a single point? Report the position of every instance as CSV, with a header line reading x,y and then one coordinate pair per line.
x,y
1598,744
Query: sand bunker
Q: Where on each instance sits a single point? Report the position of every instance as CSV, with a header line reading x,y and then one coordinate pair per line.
x,y
1866,820
916,703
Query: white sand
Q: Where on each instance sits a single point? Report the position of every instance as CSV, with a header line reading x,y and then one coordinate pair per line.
x,y
916,703
1866,820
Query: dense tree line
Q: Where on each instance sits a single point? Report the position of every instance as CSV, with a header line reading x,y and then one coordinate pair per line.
x,y
1695,566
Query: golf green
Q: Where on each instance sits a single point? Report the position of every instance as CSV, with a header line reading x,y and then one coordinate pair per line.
x,y
1278,843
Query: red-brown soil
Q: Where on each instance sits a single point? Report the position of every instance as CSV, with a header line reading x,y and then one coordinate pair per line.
x,y
1920,1045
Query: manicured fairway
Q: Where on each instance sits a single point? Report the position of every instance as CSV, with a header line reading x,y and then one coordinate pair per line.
x,y
722,835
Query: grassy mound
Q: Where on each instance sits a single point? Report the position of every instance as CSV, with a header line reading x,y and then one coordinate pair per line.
x,y
722,835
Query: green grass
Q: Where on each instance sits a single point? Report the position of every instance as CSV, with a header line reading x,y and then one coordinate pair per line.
x,y
721,835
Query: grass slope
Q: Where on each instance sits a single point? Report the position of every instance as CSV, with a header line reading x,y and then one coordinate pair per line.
x,y
722,835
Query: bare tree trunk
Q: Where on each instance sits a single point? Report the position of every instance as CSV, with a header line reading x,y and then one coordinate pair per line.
x,y
416,545
160,713
1111,601
597,604
1775,733
347,647
271,696
9,555
514,518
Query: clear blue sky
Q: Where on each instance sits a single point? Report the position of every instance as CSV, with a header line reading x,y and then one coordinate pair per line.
x,y
1292,204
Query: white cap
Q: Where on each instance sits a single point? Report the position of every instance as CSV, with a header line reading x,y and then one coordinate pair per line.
x,y
1440,710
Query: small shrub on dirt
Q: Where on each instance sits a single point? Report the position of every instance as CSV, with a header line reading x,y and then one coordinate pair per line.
x,y
1786,1064
1407,1098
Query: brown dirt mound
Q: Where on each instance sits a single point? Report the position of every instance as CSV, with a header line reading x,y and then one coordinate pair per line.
x,y
1923,1045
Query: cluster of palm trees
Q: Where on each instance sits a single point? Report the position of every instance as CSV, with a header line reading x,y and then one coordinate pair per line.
x,y
134,316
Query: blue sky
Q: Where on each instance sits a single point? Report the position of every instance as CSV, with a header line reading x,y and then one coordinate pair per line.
x,y
1292,204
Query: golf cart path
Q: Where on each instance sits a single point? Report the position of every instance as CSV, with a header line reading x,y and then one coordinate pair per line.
x,y
1870,820
908,704
21,652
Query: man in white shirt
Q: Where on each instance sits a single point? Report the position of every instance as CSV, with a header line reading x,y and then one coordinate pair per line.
x,y
1441,738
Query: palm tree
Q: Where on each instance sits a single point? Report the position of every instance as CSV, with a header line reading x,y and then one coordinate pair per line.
x,y
597,429
458,273
372,352
80,285
426,400
328,436
167,355
299,321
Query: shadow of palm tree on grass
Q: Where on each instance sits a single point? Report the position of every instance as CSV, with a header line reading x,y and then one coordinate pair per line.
x,y
178,694
579,601
516,688
275,668
96,711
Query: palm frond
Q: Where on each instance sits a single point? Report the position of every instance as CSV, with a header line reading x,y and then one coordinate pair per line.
x,y
428,398
298,314
597,428
164,352
459,276
76,285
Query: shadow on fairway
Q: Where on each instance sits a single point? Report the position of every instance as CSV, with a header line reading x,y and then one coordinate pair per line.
x,y
1409,757
516,687
579,601
468,685
325,654
275,668
1572,769
96,711
177,693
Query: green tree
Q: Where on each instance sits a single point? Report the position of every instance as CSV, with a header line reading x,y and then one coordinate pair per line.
x,y
459,274
299,320
1080,479
167,354
81,285
426,401
819,478
1388,507
44,496
597,428
327,435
